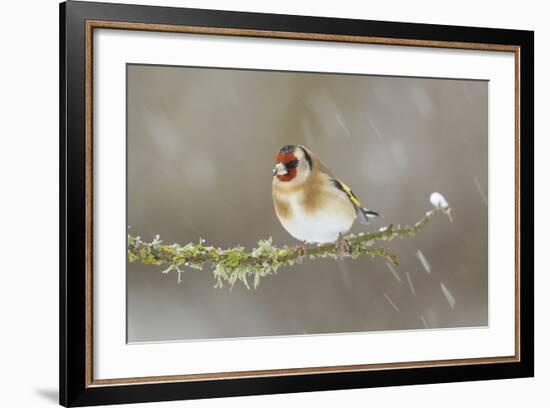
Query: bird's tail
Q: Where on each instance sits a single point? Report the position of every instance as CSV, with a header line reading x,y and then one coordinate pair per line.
x,y
365,214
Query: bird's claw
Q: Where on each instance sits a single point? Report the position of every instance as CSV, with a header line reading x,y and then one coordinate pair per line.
x,y
342,246
301,249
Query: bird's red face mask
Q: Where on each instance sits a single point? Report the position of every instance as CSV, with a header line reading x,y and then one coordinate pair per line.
x,y
286,164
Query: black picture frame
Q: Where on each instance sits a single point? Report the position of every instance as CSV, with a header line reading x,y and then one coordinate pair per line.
x,y
75,387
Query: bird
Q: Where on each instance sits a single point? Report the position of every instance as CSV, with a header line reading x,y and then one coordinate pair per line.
x,y
313,205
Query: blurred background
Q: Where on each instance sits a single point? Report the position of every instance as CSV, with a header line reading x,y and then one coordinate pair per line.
x,y
201,144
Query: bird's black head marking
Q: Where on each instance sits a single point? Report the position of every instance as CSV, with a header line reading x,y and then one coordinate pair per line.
x,y
308,158
287,149
291,164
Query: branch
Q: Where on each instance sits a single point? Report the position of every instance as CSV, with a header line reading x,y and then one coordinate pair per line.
x,y
236,264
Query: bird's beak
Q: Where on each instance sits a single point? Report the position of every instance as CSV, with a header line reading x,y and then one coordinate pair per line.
x,y
280,170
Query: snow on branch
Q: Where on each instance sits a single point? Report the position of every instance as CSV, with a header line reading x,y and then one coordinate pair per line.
x,y
237,264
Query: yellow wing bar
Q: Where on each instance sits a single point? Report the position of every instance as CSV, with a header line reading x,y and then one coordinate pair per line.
x,y
348,191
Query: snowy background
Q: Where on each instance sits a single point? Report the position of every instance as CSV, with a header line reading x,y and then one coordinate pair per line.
x,y
201,144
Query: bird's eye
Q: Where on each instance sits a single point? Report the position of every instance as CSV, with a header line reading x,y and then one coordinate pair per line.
x,y
291,164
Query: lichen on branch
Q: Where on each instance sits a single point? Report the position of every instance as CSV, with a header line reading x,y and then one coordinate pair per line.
x,y
237,264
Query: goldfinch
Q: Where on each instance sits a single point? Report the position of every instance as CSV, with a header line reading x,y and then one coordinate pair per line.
x,y
312,205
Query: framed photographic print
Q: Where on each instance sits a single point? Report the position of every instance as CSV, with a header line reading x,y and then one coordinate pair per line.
x,y
256,203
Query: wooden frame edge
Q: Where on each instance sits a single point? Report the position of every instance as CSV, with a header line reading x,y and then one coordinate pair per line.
x,y
89,205
290,35
231,375
90,25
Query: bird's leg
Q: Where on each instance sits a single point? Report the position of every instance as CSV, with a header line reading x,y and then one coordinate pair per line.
x,y
342,245
302,251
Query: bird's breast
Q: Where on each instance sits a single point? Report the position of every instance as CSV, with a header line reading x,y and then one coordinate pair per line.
x,y
321,224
